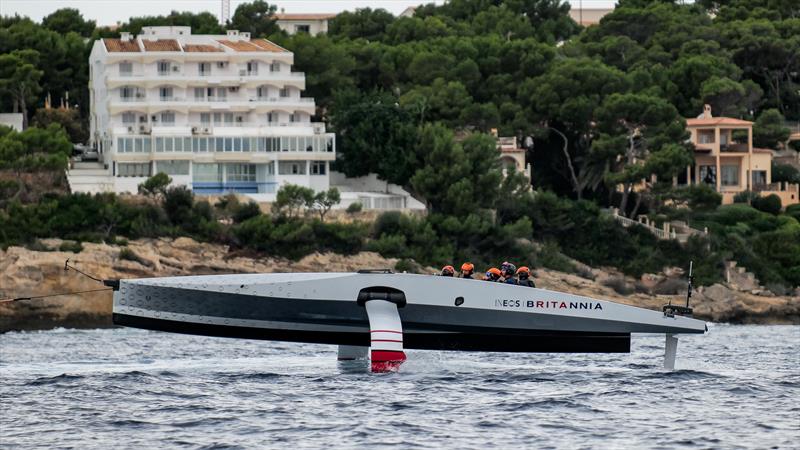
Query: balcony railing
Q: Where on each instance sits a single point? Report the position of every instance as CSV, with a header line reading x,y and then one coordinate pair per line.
x,y
733,148
133,99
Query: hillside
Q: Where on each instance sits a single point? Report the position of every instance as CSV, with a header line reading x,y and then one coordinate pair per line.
x,y
27,272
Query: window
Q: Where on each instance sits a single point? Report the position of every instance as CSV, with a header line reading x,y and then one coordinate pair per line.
x,y
163,68
199,94
284,92
302,28
759,177
209,173
126,69
252,67
275,67
165,93
240,172
129,118
133,169
730,175
293,118
291,167
708,175
318,167
705,136
272,117
168,118
204,68
262,91
173,167
127,92
205,118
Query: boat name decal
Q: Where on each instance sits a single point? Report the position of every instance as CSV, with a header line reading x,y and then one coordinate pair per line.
x,y
546,304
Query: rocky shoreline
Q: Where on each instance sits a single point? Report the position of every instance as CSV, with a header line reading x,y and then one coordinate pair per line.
x,y
25,272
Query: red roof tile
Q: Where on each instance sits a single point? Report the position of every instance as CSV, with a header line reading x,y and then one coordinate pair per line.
x,y
161,45
118,45
200,48
267,46
241,46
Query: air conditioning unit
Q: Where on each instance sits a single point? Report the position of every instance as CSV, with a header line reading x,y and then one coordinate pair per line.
x,y
142,119
233,88
207,130
194,130
319,129
144,129
175,68
222,64
130,129
242,73
139,95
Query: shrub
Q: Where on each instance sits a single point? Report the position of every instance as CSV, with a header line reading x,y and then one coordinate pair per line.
x,y
551,257
619,285
291,199
71,246
354,208
793,211
784,173
37,246
155,186
129,255
671,286
702,197
745,197
245,211
770,204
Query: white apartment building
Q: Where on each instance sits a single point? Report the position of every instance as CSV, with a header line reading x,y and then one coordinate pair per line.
x,y
215,113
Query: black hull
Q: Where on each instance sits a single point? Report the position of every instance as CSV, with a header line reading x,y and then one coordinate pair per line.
x,y
490,340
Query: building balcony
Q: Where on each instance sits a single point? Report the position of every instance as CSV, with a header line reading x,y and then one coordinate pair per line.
x,y
733,148
228,77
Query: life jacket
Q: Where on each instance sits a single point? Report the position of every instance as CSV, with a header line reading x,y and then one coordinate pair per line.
x,y
510,280
526,282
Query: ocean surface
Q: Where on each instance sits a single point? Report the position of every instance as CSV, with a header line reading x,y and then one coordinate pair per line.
x,y
736,386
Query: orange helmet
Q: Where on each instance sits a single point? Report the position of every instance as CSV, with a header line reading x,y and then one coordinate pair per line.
x,y
523,269
467,267
495,271
448,271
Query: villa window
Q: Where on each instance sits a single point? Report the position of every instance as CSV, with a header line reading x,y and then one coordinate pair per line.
x,y
127,92
133,169
165,93
204,68
302,28
199,93
293,118
126,68
129,118
272,117
284,92
163,68
262,92
205,118
291,168
241,172
318,167
708,175
252,67
759,177
173,167
730,175
705,136
168,118
275,67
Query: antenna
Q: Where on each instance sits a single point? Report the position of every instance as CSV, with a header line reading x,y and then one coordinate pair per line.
x,y
691,279
225,12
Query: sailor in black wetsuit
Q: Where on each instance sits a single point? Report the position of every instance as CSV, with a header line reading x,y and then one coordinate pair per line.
x,y
467,270
524,277
508,270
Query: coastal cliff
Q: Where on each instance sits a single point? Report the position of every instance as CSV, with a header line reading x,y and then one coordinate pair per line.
x,y
25,272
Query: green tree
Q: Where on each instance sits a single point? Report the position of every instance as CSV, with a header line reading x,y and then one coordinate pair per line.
x,y
69,119
155,186
19,79
325,200
363,23
375,135
67,20
291,199
769,130
257,18
456,178
784,173
639,139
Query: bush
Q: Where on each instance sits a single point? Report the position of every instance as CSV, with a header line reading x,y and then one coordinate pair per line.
x,y
246,211
745,197
671,286
71,246
129,255
551,257
354,208
793,211
702,197
38,246
770,204
619,285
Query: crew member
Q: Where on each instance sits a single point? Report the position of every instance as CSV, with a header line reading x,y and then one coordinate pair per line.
x,y
508,271
467,270
448,271
524,277
493,274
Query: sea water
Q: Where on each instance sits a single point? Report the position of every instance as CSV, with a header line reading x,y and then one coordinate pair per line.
x,y
736,386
